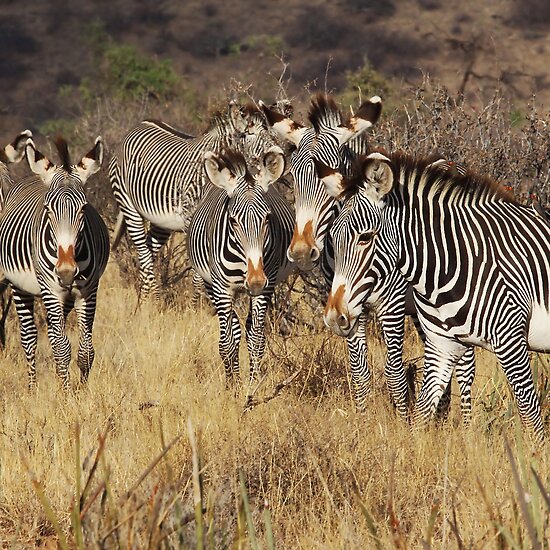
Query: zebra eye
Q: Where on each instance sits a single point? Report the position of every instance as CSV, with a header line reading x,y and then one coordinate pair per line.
x,y
365,238
233,222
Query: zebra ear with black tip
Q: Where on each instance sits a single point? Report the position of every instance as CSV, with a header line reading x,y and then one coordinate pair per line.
x,y
38,163
366,116
378,176
91,162
219,174
283,126
272,168
15,150
331,178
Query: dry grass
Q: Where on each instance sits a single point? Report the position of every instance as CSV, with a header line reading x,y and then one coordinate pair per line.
x,y
331,478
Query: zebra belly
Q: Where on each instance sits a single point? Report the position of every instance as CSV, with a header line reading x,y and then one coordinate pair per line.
x,y
166,220
24,280
538,335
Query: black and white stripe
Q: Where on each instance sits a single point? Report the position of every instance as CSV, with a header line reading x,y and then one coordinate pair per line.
x,y
54,244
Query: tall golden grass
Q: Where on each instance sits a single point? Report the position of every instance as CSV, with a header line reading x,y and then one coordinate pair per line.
x,y
155,451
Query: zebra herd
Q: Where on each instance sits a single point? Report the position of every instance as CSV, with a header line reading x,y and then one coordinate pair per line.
x,y
394,233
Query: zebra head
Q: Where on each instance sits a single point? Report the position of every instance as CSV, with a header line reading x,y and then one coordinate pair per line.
x,y
248,213
312,206
365,246
64,201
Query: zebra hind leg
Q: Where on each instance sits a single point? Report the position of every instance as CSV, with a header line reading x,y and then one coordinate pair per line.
x,y
465,373
24,306
441,356
514,358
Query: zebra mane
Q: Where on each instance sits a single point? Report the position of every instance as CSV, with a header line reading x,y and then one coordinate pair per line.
x,y
235,162
324,112
63,151
476,186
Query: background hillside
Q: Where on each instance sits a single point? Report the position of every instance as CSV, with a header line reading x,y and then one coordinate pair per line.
x,y
52,48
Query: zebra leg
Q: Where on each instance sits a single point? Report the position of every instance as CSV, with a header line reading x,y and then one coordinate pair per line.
x,y
444,405
465,373
55,317
24,306
514,358
198,289
440,358
361,377
136,229
85,310
156,239
230,337
393,330
255,333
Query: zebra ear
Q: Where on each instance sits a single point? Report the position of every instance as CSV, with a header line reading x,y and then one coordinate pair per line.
x,y
237,117
367,115
332,179
38,163
378,176
219,174
16,149
91,161
273,166
284,127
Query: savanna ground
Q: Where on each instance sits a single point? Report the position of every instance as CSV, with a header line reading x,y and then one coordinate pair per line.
x,y
315,473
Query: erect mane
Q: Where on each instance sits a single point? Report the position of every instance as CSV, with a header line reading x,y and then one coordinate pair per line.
x,y
473,184
63,151
324,112
235,162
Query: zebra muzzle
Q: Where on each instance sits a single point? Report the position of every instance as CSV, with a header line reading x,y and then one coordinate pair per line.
x,y
66,267
302,250
255,280
337,316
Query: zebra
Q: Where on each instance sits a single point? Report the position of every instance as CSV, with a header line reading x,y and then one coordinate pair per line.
x,y
54,244
338,142
478,261
156,174
392,299
10,154
237,240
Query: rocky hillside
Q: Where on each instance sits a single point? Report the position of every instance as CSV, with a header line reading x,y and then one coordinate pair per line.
x,y
48,47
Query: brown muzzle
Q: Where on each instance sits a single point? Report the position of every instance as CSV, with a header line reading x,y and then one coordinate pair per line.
x,y
302,250
66,267
336,316
255,280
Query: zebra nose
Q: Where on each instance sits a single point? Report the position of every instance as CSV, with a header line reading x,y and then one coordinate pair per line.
x,y
255,286
66,275
343,321
314,253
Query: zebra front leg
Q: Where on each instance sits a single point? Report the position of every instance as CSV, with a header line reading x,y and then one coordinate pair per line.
x,y
393,330
85,309
61,347
513,356
198,289
255,334
24,306
440,358
361,377
230,337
